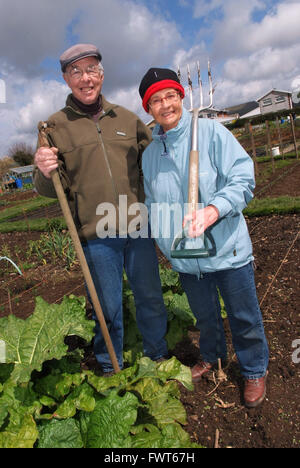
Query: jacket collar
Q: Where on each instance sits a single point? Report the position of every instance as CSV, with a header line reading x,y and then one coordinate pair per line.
x,y
107,106
176,133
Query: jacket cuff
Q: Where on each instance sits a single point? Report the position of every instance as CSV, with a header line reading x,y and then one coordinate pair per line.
x,y
223,205
43,185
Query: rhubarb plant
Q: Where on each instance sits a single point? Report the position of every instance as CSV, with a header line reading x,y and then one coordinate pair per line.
x,y
47,400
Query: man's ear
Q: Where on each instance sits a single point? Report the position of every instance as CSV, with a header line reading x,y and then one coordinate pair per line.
x,y
66,78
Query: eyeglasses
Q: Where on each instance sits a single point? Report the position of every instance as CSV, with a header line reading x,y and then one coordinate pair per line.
x,y
169,98
91,70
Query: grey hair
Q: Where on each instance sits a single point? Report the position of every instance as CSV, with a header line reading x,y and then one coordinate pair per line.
x,y
101,69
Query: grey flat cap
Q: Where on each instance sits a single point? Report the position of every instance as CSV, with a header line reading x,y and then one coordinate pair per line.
x,y
77,52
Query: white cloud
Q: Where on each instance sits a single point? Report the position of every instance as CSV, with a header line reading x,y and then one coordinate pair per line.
x,y
32,30
2,92
130,37
253,45
264,64
130,99
45,98
29,101
203,8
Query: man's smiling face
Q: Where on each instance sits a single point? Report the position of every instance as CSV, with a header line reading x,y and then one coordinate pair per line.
x,y
84,85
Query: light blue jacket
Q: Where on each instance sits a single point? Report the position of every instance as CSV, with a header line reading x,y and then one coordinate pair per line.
x,y
226,180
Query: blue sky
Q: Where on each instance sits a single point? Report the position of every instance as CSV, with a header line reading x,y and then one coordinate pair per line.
x,y
253,46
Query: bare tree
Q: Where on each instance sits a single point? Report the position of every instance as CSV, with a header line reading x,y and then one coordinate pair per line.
x,y
21,153
5,164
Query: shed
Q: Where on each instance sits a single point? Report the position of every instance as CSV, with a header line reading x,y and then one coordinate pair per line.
x,y
25,173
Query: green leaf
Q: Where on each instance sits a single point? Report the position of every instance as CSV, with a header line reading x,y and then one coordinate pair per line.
x,y
166,410
60,434
20,434
58,385
110,422
102,384
39,338
171,436
82,398
173,369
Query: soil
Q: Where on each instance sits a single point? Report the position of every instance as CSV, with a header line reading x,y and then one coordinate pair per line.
x,y
213,414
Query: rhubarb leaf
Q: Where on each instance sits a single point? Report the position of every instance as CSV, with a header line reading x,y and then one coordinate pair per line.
x,y
40,338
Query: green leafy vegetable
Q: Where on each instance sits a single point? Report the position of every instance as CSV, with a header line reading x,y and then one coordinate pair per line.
x,y
40,338
48,401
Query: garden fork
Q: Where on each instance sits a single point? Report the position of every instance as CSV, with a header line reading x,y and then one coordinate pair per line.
x,y
193,191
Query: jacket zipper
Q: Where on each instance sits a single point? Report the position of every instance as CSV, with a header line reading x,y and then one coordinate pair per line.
x,y
104,150
107,163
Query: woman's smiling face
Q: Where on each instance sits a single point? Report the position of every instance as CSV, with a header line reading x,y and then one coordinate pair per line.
x,y
165,106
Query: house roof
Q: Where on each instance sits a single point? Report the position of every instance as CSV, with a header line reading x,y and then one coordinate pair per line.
x,y
242,109
22,170
274,89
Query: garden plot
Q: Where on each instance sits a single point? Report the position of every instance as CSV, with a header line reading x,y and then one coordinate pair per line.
x,y
213,414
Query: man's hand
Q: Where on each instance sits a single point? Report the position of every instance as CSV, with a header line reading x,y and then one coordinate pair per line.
x,y
200,220
46,160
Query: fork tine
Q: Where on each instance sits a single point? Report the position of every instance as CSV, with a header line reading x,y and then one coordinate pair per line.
x,y
190,83
202,106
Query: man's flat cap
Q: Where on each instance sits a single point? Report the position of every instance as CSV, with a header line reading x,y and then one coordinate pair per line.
x,y
78,52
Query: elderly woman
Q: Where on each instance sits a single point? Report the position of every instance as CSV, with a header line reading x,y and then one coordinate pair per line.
x,y
226,182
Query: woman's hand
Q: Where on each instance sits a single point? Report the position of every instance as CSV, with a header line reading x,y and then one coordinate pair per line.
x,y
200,220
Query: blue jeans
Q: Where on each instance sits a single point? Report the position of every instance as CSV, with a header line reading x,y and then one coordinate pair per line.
x,y
237,288
106,259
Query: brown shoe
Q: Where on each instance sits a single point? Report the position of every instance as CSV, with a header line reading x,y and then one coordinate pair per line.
x,y
199,370
255,391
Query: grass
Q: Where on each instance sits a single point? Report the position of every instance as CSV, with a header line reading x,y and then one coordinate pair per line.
x,y
40,225
26,206
267,206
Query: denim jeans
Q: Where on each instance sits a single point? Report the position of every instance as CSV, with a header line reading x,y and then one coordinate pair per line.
x,y
106,259
237,288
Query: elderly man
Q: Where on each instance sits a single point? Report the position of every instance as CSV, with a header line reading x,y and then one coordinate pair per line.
x,y
97,148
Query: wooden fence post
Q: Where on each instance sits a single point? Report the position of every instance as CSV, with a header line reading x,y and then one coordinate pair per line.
x,y
294,135
270,144
253,148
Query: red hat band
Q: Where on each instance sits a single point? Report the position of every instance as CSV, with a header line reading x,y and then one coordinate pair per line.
x,y
158,86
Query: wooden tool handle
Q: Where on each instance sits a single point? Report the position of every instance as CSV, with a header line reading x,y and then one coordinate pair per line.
x,y
43,141
193,181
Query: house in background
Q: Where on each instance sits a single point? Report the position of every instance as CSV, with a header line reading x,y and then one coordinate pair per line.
x,y
274,101
222,115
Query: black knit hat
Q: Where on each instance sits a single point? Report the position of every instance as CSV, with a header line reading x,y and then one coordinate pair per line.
x,y
157,79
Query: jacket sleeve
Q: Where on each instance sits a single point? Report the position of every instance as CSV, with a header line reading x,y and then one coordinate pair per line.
x,y
149,199
144,136
235,170
45,186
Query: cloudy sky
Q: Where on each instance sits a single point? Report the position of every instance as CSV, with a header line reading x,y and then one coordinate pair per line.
x,y
253,46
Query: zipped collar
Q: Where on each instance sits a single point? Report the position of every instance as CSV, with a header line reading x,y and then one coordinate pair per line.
x,y
106,106
176,133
